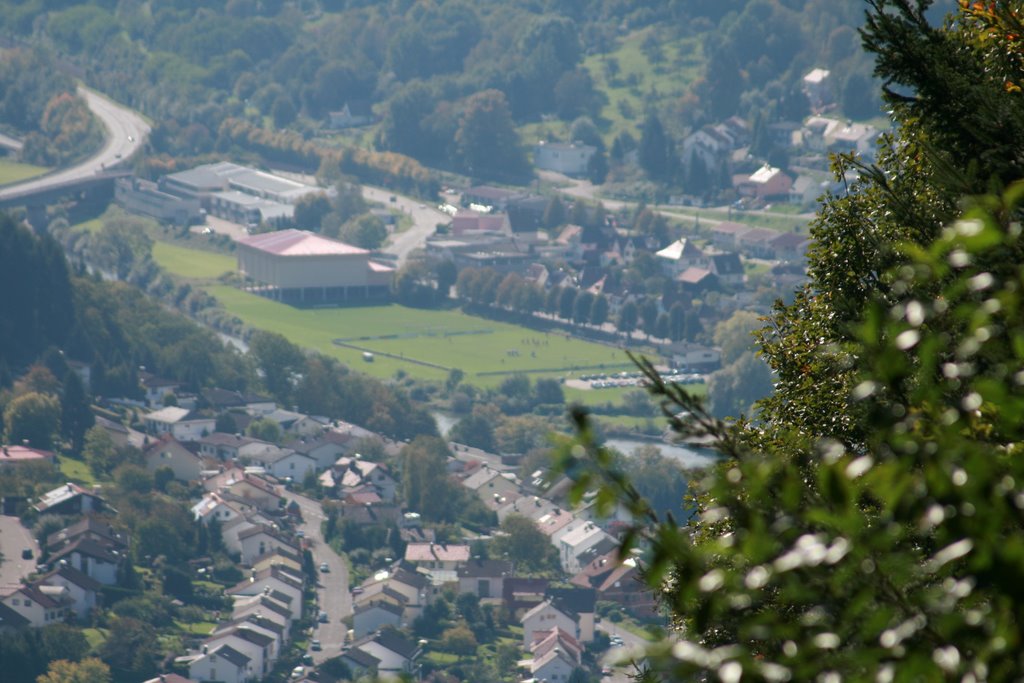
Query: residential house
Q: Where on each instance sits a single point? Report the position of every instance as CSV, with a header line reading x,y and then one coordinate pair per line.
x,y
260,541
180,423
370,617
254,490
156,388
539,621
696,280
258,647
284,557
395,654
694,356
268,582
170,678
40,604
268,605
576,542
326,448
220,400
91,527
95,559
619,582
83,591
765,183
360,663
724,234
817,85
259,624
69,499
169,452
555,656
284,463
356,473
710,147
680,255
572,159
352,115
224,447
490,486
580,603
439,561
520,595
790,246
19,455
484,578
222,664
399,587
757,242
220,507
727,268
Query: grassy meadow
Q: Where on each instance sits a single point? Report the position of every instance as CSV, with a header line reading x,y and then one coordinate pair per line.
x,y
14,172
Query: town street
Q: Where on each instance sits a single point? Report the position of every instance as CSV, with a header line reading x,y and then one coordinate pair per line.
x,y
624,672
332,586
14,538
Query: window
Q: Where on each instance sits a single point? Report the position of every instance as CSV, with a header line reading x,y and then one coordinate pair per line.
x,y
15,602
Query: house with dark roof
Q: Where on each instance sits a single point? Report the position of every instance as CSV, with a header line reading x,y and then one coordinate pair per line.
x,y
84,592
395,653
360,662
69,499
40,604
618,581
11,620
169,452
222,663
91,526
97,560
727,268
258,647
484,578
370,617
155,388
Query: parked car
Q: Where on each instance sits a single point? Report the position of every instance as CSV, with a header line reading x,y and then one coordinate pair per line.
x,y
325,568
323,618
314,645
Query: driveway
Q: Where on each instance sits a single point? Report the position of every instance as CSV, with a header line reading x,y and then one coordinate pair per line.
x,y
14,538
332,586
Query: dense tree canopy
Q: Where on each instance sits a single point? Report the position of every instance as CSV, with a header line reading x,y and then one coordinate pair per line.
x,y
867,526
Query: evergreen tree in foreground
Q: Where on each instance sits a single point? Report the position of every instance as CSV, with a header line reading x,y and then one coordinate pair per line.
x,y
869,525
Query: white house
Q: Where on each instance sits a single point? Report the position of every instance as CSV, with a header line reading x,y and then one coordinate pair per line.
x,y
544,617
267,606
568,158
258,647
94,559
179,423
269,581
395,654
214,506
83,591
356,472
224,664
680,255
259,541
578,541
42,605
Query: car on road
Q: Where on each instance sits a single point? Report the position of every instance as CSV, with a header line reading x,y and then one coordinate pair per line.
x,y
26,554
323,618
314,645
307,659
325,568
131,139
298,672
357,590
616,641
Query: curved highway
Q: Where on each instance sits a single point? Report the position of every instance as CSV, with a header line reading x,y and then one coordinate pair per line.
x,y
126,132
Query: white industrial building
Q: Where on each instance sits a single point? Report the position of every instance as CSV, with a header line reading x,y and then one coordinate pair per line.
x,y
300,267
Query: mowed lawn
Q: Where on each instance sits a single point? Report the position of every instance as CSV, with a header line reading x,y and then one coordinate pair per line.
x,y
447,339
13,172
194,264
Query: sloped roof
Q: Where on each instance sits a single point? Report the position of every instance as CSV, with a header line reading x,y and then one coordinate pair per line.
x,y
430,552
232,655
680,248
294,242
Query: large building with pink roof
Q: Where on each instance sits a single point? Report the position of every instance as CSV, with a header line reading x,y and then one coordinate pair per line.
x,y
301,267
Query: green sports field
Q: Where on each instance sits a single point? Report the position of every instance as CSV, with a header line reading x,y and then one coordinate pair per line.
x,y
426,344
194,264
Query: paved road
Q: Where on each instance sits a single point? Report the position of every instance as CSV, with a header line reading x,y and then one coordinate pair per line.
x,y
332,590
10,143
425,218
14,538
620,673
126,131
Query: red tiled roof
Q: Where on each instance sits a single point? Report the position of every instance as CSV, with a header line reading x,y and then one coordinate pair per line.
x,y
294,242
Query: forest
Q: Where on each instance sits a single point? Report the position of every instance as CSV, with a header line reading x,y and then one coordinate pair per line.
x,y
453,84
